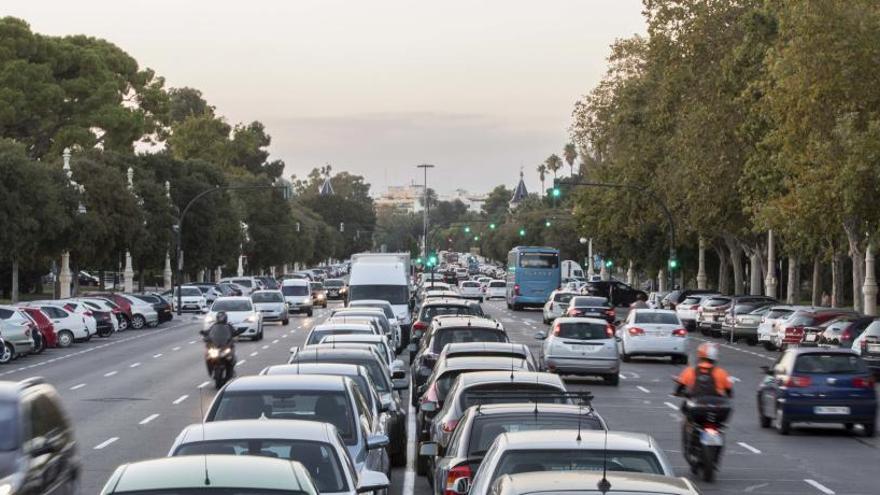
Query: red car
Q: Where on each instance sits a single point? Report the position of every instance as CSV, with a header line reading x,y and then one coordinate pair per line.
x,y
45,327
119,301
793,333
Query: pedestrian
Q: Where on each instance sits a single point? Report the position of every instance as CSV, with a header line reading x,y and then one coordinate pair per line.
x,y
826,299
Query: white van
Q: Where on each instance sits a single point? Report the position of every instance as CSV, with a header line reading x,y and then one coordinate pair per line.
x,y
572,270
249,284
385,278
298,295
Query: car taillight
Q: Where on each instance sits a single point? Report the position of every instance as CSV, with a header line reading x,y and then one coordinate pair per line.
x,y
556,329
610,312
695,307
635,331
462,471
420,325
516,289
449,425
88,313
679,332
846,335
863,382
431,394
609,331
794,381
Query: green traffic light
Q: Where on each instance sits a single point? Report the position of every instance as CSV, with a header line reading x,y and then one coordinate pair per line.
x,y
476,238
492,226
673,264
609,263
522,232
467,230
418,261
547,223
556,192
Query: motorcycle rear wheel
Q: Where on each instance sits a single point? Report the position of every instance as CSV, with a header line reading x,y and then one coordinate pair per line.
x,y
710,457
219,377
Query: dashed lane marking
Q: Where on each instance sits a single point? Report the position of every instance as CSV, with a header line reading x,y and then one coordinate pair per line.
x,y
748,447
175,348
204,384
77,387
819,486
275,341
106,443
643,389
254,353
670,405
180,399
148,419
265,347
111,373
157,355
134,365
241,362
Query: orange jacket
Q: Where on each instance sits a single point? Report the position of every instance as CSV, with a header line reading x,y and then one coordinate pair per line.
x,y
723,384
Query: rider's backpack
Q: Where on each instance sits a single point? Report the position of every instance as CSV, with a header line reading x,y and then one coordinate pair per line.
x,y
704,385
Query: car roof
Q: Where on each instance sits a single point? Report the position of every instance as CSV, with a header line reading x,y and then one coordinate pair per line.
x,y
285,382
318,368
288,429
337,352
531,407
233,298
260,291
294,281
654,310
487,347
588,481
568,439
224,471
354,338
343,326
580,319
446,302
528,377
484,362
464,321
588,300
822,350
363,302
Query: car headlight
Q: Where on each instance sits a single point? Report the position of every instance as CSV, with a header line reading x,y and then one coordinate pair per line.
x,y
210,319
213,352
252,319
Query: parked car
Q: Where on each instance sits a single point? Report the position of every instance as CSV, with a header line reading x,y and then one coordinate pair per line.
x,y
744,326
190,299
818,386
655,299
247,284
44,325
628,482
106,322
161,305
241,314
617,293
790,331
69,326
230,289
271,305
672,299
557,304
268,283
712,312
16,329
768,323
869,346
841,331
581,346
117,299
298,295
496,289
687,310
653,332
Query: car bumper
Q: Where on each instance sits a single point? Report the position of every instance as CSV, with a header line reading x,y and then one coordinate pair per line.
x,y
582,366
295,308
247,329
803,410
656,346
273,315
689,324
529,300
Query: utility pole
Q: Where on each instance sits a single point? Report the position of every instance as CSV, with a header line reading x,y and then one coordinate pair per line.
x,y
425,167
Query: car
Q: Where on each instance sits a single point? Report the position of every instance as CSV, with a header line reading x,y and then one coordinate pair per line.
x,y
108,316
687,310
713,311
790,331
655,299
813,385
326,399
869,346
297,293
379,310
242,475
190,298
496,289
581,346
487,349
16,329
319,294
336,288
83,312
569,450
379,342
672,299
740,305
123,303
230,289
442,306
209,290
451,330
271,304
557,304
69,326
247,284
768,322
653,332
241,314
318,332
744,326
470,289
596,482
591,307
162,306
316,446
617,293
268,283
39,451
840,331
46,328
480,425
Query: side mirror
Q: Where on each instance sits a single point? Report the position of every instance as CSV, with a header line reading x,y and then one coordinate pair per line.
x,y
377,441
428,406
428,449
400,384
462,486
294,349
372,481
540,336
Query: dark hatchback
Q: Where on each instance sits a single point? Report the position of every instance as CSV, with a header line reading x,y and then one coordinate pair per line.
x,y
617,293
162,307
591,307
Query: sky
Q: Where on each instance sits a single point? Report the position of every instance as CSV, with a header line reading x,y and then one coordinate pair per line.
x,y
479,88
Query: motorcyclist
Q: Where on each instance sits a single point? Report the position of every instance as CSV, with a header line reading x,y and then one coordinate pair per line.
x,y
706,379
222,335
641,302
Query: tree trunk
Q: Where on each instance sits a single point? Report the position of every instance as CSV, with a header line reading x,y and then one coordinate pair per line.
x,y
858,264
836,280
792,292
736,254
816,298
14,295
141,278
723,273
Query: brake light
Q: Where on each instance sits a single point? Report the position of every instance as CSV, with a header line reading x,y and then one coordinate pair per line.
x,y
462,471
679,332
556,329
431,394
636,331
420,325
797,381
516,289
862,382
449,425
609,331
695,307
846,335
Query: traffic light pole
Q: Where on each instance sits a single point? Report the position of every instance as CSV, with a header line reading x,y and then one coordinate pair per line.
x,y
641,189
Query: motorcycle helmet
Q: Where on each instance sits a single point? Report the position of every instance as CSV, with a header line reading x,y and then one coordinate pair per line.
x,y
222,318
708,351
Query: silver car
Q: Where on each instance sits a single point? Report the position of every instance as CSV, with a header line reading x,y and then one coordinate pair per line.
x,y
271,304
583,481
241,314
581,346
569,450
16,328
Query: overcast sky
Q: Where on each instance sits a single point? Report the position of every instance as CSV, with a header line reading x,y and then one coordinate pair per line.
x,y
477,87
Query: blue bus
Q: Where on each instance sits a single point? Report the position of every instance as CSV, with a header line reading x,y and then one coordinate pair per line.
x,y
532,274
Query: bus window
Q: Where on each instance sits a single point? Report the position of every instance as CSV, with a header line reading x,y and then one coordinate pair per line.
x,y
539,260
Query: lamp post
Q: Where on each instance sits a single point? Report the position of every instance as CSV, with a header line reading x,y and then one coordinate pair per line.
x,y
425,167
166,273
64,276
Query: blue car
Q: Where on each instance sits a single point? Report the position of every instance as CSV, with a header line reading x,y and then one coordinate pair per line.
x,y
818,385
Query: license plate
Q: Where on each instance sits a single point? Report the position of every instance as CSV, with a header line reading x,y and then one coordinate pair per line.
x,y
712,439
873,348
810,337
831,410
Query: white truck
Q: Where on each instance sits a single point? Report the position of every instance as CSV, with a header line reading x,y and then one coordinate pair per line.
x,y
383,276
572,270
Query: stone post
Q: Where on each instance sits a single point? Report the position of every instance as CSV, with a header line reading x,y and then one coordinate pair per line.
x,y
128,274
869,289
603,272
791,294
701,267
64,277
590,271
240,271
661,280
166,273
630,274
755,274
770,280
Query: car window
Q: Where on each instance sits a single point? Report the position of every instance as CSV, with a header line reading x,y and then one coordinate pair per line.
x,y
333,283
525,461
497,284
801,320
583,331
539,260
779,313
232,305
361,404
8,425
486,428
267,297
690,300
319,459
317,286
190,292
562,297
429,312
587,302
829,364
243,282
318,335
394,294
295,290
497,393
657,318
461,335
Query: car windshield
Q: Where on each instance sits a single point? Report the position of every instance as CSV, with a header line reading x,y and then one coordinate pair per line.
x,y
394,294
829,364
190,292
539,260
212,490
497,284
333,283
445,336
318,335
377,372
717,301
801,320
527,461
319,459
584,331
563,297
229,306
486,428
317,286
326,406
429,312
8,425
656,318
504,393
688,301
243,282
267,297
761,311
589,302
779,313
295,290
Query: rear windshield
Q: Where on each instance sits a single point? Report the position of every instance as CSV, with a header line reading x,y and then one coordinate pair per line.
x,y
801,320
389,313
717,301
319,459
656,318
376,370
589,302
429,312
497,284
485,429
470,284
829,364
527,461
690,301
461,335
539,260
267,297
325,406
333,283
238,305
583,331
318,335
243,282
779,313
563,297
295,290
498,393
317,286
395,294
190,292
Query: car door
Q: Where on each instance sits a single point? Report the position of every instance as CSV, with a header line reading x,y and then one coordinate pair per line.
x,y
370,424
44,443
770,388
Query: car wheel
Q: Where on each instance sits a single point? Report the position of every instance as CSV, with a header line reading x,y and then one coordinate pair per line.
x,y
625,357
65,338
138,322
870,429
39,345
309,313
763,420
783,425
613,379
123,324
421,465
751,342
285,321
6,354
769,346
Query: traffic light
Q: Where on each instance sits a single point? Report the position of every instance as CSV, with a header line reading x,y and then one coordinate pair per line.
x,y
609,263
419,260
522,232
476,238
556,192
673,264
432,260
492,226
547,223
467,229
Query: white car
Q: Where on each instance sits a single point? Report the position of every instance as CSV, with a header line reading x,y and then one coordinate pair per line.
x,y
101,305
653,332
248,284
241,314
191,299
687,309
768,324
557,304
271,304
143,314
84,311
298,295
470,289
496,288
69,326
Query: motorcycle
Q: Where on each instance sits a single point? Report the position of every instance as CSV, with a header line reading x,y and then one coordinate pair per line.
x,y
703,435
219,360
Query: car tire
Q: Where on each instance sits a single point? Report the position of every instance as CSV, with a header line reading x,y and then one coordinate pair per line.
x,y
123,324
783,425
769,346
625,357
285,321
309,313
870,429
517,307
613,379
764,421
6,354
65,339
39,345
421,465
751,342
138,322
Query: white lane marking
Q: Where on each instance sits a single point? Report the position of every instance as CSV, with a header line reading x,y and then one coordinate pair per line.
x,y
748,447
819,486
204,384
275,341
265,347
621,376
110,373
409,476
106,443
752,488
191,342
148,419
176,348
254,353
643,389
734,379
157,355
180,399
77,387
135,365
670,405
284,336
240,362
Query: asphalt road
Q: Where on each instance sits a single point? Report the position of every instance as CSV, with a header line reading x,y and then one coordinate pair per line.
x,y
130,395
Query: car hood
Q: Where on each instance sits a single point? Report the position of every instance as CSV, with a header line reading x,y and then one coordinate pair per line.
x,y
296,299
268,305
238,316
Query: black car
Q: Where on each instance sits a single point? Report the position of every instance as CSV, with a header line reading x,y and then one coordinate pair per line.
x,y
162,307
591,307
335,288
444,306
480,425
617,293
42,458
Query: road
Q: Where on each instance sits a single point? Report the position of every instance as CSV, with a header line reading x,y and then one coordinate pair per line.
x,y
130,395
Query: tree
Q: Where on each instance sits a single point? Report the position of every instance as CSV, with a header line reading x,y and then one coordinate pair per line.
x,y
554,163
570,154
497,202
542,175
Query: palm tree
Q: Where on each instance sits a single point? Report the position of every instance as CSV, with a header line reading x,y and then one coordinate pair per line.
x,y
570,153
554,163
542,174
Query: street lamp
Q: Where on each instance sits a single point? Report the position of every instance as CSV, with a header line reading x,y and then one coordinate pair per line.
x,y
425,167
